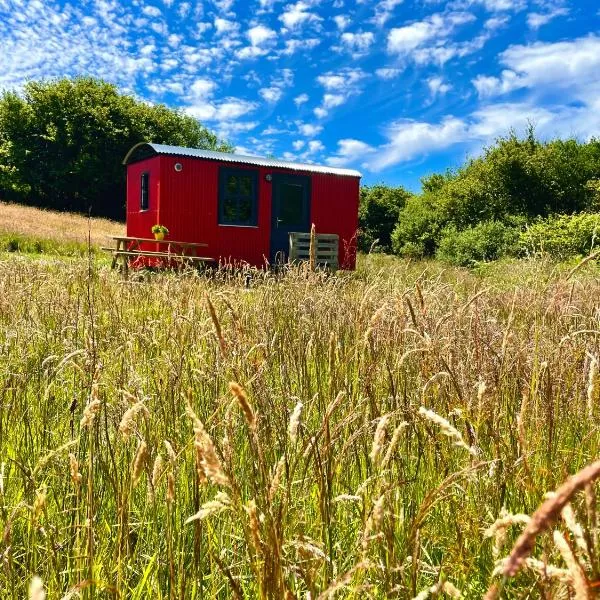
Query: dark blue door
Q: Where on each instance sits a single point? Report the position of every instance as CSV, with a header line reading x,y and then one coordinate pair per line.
x,y
290,211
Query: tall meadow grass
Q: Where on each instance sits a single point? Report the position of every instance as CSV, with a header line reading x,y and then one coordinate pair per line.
x,y
384,433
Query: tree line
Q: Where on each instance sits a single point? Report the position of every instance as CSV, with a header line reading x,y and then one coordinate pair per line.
x,y
521,196
62,143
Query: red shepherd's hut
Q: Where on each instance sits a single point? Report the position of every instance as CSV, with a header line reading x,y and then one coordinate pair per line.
x,y
242,207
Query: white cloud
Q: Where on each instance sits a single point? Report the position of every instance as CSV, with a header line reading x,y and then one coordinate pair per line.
x,y
405,40
438,87
152,11
223,5
547,67
536,20
350,151
298,145
229,109
271,94
387,73
384,10
261,41
202,88
315,146
298,14
497,22
301,99
357,43
308,129
294,45
344,78
342,21
260,34
409,139
223,26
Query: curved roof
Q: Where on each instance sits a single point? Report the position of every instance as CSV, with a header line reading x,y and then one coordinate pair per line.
x,y
145,150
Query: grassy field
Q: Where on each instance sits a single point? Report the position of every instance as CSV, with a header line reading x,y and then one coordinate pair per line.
x,y
352,436
30,230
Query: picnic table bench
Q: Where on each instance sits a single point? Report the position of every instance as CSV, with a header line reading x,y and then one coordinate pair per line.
x,y
176,251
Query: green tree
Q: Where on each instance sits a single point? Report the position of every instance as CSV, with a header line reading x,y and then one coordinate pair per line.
x,y
62,143
378,213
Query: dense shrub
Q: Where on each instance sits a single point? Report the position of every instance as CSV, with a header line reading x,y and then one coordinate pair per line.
x,y
488,240
561,236
378,214
515,180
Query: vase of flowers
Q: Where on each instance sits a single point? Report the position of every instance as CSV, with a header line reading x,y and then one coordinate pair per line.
x,y
159,232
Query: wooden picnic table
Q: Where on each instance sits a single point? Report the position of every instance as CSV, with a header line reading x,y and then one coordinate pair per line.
x,y
181,252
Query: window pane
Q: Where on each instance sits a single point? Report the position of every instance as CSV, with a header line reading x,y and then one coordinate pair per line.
x,y
238,199
231,184
245,186
230,213
144,195
244,210
291,205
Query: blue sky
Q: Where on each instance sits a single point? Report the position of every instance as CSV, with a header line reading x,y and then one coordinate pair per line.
x,y
395,88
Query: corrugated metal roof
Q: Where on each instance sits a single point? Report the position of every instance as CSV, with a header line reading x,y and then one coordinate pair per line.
x,y
236,158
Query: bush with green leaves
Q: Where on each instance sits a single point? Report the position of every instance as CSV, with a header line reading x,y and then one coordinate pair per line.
x,y
517,177
488,240
562,236
378,214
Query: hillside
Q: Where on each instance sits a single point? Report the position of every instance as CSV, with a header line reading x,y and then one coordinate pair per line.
x,y
56,226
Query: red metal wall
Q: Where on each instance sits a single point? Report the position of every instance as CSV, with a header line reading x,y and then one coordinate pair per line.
x,y
188,206
139,223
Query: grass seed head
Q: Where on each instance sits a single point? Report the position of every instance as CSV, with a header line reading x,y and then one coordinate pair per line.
x,y
139,462
74,470
294,422
240,395
36,589
127,424
89,413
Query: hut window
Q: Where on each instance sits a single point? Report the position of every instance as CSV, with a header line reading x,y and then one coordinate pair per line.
x,y
144,191
238,197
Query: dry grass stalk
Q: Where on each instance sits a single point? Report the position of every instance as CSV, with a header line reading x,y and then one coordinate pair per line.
x,y
343,581
127,424
170,497
139,462
447,429
216,324
74,470
379,439
39,504
592,376
252,512
276,479
499,529
546,515
221,502
240,395
393,443
294,422
89,413
208,462
374,521
171,454
36,589
579,581
568,516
